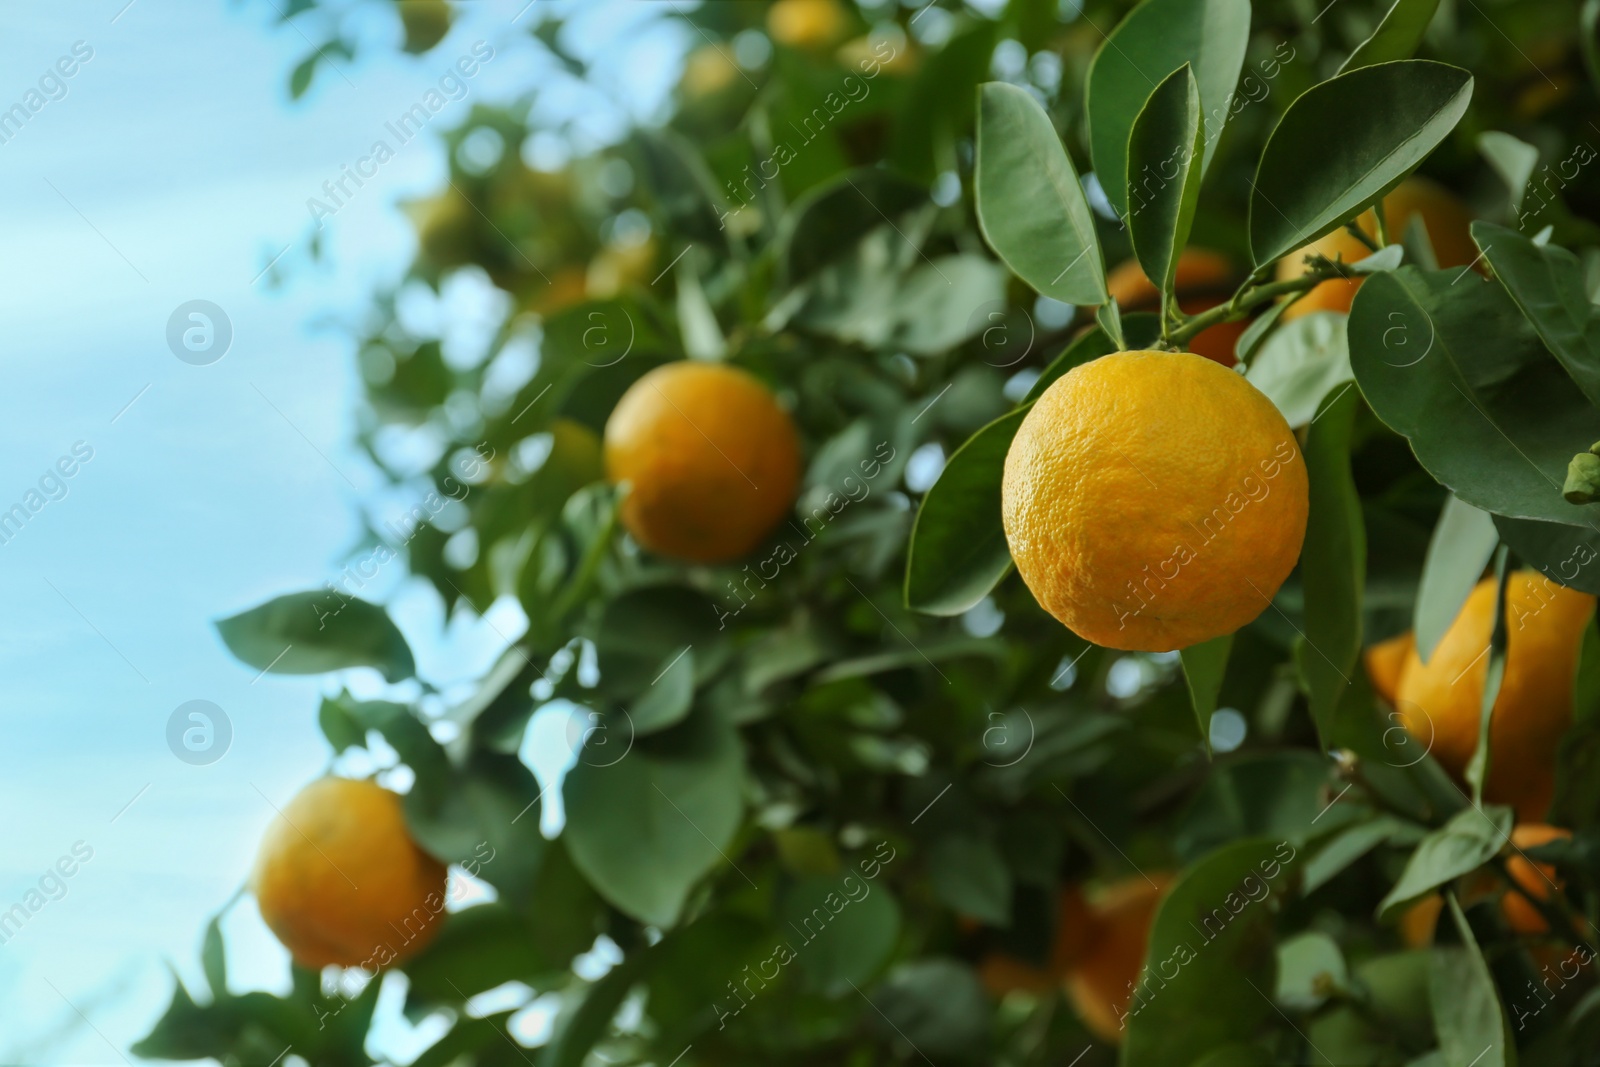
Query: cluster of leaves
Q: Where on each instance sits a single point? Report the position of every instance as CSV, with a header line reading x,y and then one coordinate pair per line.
x,y
868,712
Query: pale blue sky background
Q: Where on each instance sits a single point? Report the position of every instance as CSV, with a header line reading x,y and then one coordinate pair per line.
x,y
174,169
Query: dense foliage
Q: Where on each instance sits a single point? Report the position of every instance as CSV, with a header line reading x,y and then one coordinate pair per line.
x,y
824,788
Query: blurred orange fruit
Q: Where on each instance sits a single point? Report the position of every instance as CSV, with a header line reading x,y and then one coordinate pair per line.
x,y
1445,218
807,23
1002,973
1538,880
1438,701
1204,280
1153,500
340,881
1385,661
1100,983
712,460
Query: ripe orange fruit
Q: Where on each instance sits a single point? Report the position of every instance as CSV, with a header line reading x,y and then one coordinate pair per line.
x,y
1445,218
1538,880
1100,984
1419,922
1204,279
712,460
806,23
1153,500
340,881
1385,661
1438,701
1075,927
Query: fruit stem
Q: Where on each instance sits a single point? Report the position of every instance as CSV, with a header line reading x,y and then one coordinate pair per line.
x,y
1361,235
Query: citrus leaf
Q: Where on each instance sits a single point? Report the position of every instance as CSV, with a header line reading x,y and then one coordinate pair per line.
x,y
1031,206
1210,967
578,1031
666,702
1349,845
1460,846
850,945
1467,1013
1345,143
1301,363
1168,134
1445,359
648,826
1203,667
1396,37
1565,554
1155,39
958,550
1333,563
827,220
1512,159
970,875
1477,772
1548,285
1462,542
316,632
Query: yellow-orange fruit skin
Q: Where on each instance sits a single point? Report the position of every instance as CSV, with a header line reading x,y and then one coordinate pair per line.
x,y
711,459
1100,984
1538,880
1446,219
340,881
1438,701
1153,500
1386,661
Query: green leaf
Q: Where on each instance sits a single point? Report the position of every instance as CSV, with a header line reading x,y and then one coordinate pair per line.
x,y
1577,795
1512,159
1446,359
1467,1013
1549,287
827,220
300,77
1031,206
1258,333
1167,133
1236,1054
1460,846
1203,668
683,186
214,959
937,1005
843,930
666,703
1282,795
1396,37
578,1031
1589,38
1155,39
1310,969
1333,562
476,949
1349,845
1564,554
1462,542
316,632
483,815
647,827
1301,363
1477,772
1344,143
1211,963
958,550
970,875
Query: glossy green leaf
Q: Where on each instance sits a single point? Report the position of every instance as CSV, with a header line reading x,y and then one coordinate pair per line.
x,y
1341,850
1333,562
1164,153
666,702
1512,159
1445,358
1477,771
1310,970
1462,542
646,827
1258,333
1467,1013
1301,363
1031,206
958,550
1203,668
1461,845
1345,143
1155,39
1396,37
315,632
1549,286
1210,966
1566,554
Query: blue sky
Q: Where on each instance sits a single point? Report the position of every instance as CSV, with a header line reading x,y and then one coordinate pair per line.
x,y
173,169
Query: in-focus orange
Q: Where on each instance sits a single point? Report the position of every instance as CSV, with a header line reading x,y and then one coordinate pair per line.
x,y
711,459
1153,500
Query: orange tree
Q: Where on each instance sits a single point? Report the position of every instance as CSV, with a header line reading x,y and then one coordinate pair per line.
x,y
806,383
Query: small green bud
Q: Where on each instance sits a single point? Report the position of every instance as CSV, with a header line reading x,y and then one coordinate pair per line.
x,y
1583,479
